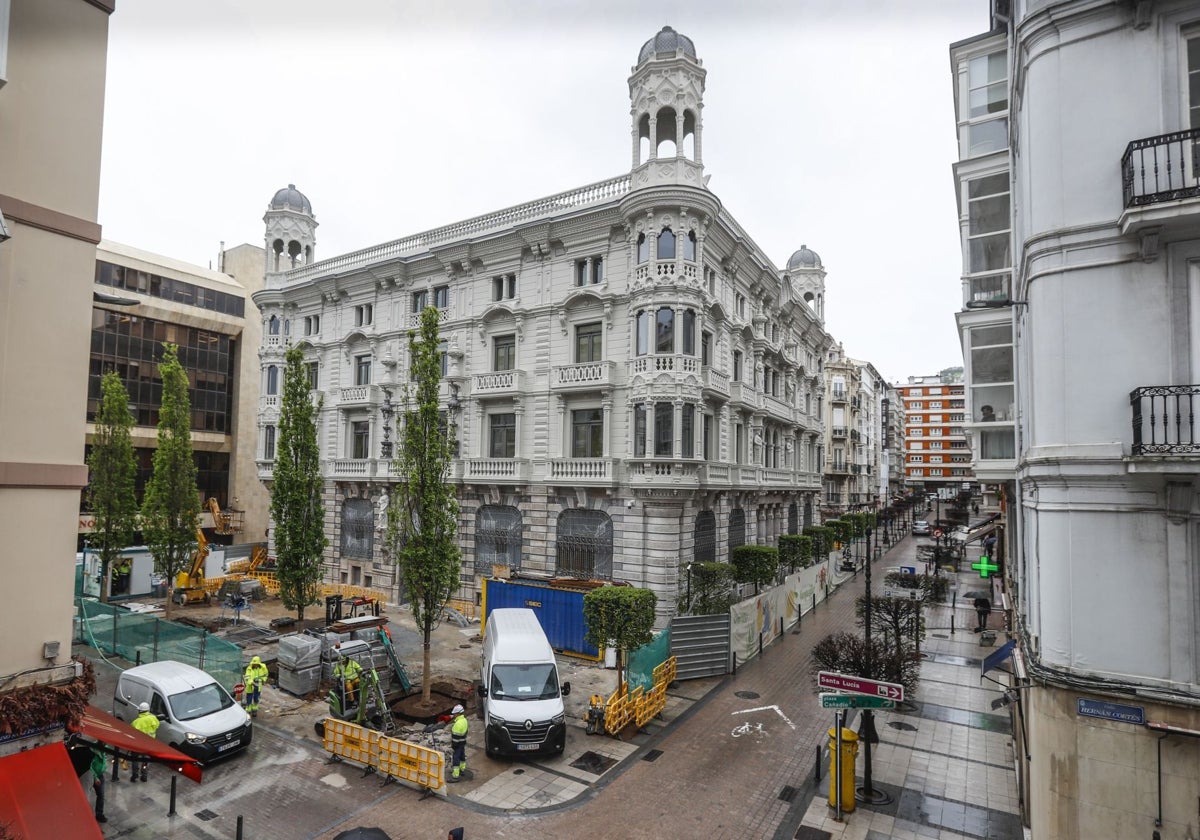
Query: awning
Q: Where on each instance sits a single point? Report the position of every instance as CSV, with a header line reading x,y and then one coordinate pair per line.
x,y
127,742
981,531
40,796
997,658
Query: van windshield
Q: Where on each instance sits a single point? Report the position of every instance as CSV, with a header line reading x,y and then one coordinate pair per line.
x,y
189,705
524,682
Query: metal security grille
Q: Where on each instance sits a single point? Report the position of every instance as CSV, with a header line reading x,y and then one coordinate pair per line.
x,y
584,545
358,528
793,519
706,537
700,645
497,538
737,529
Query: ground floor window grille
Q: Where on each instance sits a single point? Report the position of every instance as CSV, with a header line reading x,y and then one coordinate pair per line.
x,y
737,529
793,519
584,545
497,538
706,537
358,528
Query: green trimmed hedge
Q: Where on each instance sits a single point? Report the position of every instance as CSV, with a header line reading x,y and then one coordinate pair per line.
x,y
795,551
757,564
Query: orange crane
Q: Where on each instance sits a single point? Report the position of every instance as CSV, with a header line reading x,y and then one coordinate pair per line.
x,y
222,522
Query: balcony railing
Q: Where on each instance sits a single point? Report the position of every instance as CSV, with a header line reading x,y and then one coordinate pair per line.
x,y
498,382
715,379
1162,168
837,431
658,364
497,469
583,470
1164,419
583,375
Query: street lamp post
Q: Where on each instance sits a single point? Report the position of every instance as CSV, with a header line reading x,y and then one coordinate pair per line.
x,y
689,588
867,730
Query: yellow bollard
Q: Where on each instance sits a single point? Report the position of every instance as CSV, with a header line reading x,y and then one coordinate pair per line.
x,y
849,754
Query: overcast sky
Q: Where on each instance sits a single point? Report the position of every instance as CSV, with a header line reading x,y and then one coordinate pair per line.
x,y
827,123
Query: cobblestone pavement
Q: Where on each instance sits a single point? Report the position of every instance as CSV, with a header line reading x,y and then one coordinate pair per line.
x,y
731,758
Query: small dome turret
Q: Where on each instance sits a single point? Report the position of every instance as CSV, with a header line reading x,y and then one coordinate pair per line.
x,y
291,198
666,43
804,258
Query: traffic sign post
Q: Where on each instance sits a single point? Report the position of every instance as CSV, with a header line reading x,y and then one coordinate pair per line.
x,y
860,685
830,700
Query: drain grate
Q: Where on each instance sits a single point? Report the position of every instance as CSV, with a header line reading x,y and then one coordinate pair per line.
x,y
206,815
652,755
593,762
747,695
807,832
788,793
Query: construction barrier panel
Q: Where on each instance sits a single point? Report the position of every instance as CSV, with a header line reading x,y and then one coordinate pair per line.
x,y
640,705
403,761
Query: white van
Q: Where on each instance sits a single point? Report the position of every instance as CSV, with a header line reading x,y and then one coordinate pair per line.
x,y
522,699
198,717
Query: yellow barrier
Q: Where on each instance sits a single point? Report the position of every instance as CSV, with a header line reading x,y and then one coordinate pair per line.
x,y
640,705
352,742
403,761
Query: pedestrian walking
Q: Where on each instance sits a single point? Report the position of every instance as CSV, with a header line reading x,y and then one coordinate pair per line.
x,y
983,608
98,767
458,740
254,679
147,724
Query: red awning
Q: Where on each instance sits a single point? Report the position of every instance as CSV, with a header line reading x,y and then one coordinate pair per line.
x,y
101,726
40,796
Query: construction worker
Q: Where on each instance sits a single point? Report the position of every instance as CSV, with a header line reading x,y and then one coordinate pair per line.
x,y
98,767
254,679
147,724
458,741
349,672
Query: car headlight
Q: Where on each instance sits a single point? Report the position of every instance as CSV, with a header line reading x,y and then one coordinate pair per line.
x,y
193,738
498,721
557,719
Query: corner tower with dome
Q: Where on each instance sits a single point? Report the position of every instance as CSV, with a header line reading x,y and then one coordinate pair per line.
x,y
633,384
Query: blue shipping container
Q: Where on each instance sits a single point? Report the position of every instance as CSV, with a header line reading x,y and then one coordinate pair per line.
x,y
560,612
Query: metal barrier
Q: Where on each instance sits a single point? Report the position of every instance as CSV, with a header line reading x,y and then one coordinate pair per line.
x,y
398,760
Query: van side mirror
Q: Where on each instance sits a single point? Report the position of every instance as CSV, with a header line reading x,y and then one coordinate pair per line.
x,y
481,689
566,689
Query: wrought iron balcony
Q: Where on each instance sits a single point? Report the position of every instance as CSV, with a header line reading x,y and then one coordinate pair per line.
x,y
838,431
1162,168
1164,419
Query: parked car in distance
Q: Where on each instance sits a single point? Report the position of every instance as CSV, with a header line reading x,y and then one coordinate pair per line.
x,y
920,528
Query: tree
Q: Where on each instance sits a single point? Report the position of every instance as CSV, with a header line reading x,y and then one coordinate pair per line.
x,y
710,589
757,564
296,506
423,514
622,616
171,507
113,471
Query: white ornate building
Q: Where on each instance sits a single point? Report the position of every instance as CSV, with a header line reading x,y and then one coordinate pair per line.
x,y
633,383
1080,213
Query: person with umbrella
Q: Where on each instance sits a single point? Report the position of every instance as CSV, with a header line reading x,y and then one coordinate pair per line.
x,y
983,608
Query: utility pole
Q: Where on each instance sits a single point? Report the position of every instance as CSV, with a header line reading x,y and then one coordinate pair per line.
x,y
866,731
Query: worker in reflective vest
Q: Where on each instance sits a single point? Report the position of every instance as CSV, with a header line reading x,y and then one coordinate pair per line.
x,y
147,724
255,677
458,741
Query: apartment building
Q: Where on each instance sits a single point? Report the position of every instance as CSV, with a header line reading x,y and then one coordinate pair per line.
x,y
937,458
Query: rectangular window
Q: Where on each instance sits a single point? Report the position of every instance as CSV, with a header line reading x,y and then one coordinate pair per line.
x,y
664,341
689,332
687,431
708,438
739,441
269,443
503,435
642,329
312,371
441,297
272,380
737,365
444,358
706,348
587,433
988,222
664,429
504,356
639,431
362,370
1193,71
360,439
987,78
420,300
364,315
312,324
740,304
588,340
504,287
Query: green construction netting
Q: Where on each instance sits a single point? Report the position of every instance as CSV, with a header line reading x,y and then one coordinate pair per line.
x,y
147,637
643,661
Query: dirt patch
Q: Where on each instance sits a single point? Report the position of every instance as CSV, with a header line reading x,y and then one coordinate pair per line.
x,y
444,693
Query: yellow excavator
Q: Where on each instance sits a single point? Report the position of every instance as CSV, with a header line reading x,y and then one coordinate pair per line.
x,y
189,585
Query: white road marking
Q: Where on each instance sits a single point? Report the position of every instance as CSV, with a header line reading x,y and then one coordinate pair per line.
x,y
774,709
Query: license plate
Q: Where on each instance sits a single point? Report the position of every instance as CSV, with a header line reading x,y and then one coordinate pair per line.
x,y
229,746
528,746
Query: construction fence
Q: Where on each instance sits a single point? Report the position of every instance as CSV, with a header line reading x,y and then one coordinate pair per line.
x,y
143,637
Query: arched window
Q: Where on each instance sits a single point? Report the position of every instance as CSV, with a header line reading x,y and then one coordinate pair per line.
x,y
689,332
498,530
273,326
583,547
689,246
664,331
272,380
737,529
643,249
666,245
642,328
358,528
705,537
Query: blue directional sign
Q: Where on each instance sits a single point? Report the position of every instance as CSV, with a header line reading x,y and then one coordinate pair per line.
x,y
1111,711
908,570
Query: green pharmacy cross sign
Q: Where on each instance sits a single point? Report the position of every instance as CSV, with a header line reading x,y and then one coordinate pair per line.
x,y
985,566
